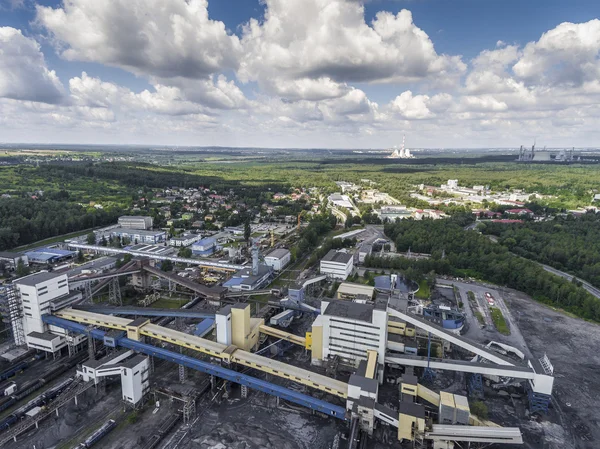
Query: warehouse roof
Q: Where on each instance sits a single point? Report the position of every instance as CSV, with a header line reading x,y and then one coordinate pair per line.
x,y
137,217
37,278
412,409
352,310
337,256
9,255
278,253
43,336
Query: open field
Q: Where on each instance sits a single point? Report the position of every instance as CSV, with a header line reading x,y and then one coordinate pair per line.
x,y
572,346
499,321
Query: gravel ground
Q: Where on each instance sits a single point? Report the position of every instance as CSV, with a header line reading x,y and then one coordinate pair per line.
x,y
572,346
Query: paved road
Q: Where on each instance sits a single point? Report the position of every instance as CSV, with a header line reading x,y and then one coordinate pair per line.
x,y
589,287
489,332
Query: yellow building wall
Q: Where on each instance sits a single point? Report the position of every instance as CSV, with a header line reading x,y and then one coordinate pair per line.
x,y
408,389
317,342
240,326
308,338
407,425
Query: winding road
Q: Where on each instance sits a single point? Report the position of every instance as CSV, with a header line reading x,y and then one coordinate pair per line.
x,y
589,287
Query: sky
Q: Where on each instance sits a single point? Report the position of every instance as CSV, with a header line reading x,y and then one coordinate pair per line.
x,y
301,73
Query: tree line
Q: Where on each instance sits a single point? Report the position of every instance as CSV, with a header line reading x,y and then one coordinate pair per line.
x,y
467,253
566,243
25,220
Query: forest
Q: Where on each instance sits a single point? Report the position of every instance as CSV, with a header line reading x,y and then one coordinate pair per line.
x,y
468,253
571,244
26,220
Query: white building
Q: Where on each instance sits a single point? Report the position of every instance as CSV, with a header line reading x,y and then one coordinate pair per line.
x,y
341,201
349,329
40,294
363,252
337,264
134,370
452,184
11,260
135,222
278,259
184,240
136,236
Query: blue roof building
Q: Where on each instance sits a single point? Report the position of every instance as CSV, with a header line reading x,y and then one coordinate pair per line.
x,y
49,255
205,247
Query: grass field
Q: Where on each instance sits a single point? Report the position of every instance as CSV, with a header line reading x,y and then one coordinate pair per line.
x,y
165,303
499,321
424,290
479,317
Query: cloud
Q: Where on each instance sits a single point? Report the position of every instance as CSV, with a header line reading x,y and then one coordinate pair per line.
x,y
567,55
162,38
411,107
23,71
309,48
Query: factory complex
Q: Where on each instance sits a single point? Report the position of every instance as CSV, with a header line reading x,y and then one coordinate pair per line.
x,y
360,341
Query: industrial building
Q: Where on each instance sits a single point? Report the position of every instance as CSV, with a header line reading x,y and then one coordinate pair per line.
x,y
49,256
278,258
184,240
363,252
11,260
337,264
139,235
135,222
205,247
349,329
355,292
27,299
249,279
92,267
362,330
341,201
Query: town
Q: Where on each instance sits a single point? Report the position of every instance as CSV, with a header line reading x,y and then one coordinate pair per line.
x,y
209,277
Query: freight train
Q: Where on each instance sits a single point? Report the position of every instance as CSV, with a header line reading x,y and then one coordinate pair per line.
x,y
106,428
38,401
19,366
163,430
34,385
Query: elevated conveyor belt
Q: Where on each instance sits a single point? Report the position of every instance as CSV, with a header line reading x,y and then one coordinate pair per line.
x,y
202,290
199,262
99,277
463,366
428,395
206,367
450,337
314,280
278,333
145,311
229,354
502,435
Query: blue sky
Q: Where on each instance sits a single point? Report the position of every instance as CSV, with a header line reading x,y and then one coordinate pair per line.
x,y
316,73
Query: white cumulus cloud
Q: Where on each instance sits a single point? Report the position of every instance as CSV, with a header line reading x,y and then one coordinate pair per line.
x,y
311,46
163,38
23,71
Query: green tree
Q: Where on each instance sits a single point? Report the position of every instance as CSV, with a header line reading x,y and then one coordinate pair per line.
x,y
185,252
91,238
21,269
166,265
80,257
479,409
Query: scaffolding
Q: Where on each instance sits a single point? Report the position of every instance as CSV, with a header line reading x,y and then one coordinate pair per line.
x,y
87,292
114,292
12,313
